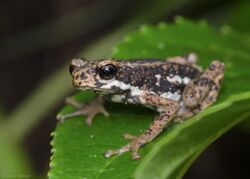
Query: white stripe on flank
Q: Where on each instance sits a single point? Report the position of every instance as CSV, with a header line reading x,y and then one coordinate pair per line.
x,y
173,96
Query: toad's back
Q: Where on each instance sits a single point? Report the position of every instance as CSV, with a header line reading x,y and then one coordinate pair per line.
x,y
157,76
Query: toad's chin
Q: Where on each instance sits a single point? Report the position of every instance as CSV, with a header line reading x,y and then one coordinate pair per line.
x,y
105,91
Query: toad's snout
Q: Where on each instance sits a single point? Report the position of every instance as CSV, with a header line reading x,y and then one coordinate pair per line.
x,y
82,79
76,78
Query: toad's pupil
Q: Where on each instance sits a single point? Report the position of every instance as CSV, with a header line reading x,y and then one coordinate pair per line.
x,y
107,72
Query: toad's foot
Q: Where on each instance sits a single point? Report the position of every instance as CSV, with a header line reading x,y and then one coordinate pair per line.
x,y
91,109
133,146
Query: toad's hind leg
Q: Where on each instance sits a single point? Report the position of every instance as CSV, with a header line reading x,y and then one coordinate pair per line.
x,y
136,142
204,91
216,73
151,133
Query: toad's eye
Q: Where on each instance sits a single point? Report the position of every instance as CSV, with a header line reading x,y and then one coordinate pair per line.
x,y
107,72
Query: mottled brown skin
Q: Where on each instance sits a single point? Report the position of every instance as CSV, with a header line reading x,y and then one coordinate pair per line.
x,y
177,88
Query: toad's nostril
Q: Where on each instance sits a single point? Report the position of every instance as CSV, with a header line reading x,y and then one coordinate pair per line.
x,y
71,68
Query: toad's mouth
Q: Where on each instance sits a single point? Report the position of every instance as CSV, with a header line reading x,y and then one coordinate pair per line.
x,y
84,88
100,90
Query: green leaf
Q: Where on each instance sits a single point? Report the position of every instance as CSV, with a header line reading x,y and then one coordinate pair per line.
x,y
78,148
239,16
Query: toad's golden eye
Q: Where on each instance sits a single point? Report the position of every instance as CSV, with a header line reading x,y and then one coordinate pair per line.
x,y
107,71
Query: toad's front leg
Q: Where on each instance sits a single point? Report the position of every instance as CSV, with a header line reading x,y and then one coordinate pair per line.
x,y
90,109
169,109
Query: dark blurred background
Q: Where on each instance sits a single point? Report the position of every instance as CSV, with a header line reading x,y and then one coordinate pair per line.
x,y
37,41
